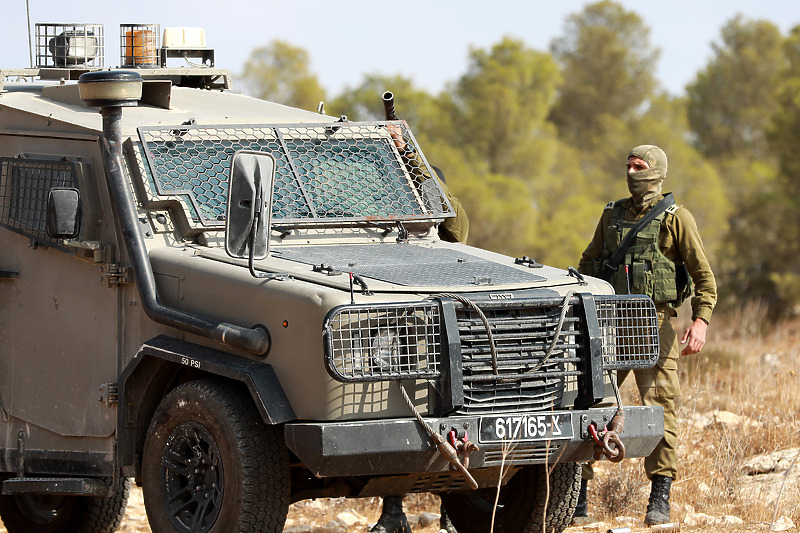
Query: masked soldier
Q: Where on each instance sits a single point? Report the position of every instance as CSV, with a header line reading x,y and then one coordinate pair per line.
x,y
665,260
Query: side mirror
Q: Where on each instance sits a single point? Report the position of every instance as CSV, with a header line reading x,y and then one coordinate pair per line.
x,y
249,205
63,213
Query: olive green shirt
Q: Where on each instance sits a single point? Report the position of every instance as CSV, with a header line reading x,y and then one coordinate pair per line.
x,y
679,240
454,229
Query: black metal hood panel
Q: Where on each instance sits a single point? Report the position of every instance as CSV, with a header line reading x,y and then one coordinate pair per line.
x,y
409,265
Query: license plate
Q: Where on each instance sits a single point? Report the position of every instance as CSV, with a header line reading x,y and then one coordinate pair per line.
x,y
525,427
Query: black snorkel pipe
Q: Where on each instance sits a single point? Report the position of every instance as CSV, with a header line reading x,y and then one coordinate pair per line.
x,y
111,91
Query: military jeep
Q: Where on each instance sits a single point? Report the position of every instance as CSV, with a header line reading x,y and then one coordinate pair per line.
x,y
238,305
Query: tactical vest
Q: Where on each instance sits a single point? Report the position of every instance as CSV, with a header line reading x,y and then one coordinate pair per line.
x,y
645,269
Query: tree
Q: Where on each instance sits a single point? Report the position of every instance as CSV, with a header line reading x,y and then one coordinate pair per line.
x,y
501,105
280,72
608,67
732,101
733,105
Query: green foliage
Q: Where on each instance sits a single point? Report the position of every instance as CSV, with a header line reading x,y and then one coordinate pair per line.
x,y
280,72
501,105
607,63
733,100
534,143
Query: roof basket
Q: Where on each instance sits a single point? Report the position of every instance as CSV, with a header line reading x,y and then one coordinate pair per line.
x,y
69,45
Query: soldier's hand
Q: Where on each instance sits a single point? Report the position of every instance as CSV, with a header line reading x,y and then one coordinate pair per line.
x,y
695,337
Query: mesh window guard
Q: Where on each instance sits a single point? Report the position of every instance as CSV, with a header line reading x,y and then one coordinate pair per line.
x,y
325,173
24,186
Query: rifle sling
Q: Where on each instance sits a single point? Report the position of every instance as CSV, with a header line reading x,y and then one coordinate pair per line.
x,y
611,266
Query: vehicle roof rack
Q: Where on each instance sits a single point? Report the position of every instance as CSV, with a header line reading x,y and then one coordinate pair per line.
x,y
199,78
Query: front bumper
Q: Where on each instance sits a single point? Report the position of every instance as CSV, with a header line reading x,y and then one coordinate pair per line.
x,y
401,446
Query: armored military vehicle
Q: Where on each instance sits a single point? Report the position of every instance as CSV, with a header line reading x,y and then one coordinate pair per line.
x,y
237,305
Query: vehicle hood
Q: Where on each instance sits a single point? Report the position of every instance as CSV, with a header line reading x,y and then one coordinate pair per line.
x,y
406,267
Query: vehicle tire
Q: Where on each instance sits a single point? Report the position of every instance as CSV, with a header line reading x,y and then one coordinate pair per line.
x,y
521,504
211,464
45,513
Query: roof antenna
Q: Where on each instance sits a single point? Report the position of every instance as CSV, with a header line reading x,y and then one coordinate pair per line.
x,y
30,43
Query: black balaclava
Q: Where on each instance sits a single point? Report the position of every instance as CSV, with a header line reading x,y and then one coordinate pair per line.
x,y
645,185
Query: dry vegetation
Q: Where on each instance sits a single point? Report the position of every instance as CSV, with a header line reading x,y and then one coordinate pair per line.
x,y
746,369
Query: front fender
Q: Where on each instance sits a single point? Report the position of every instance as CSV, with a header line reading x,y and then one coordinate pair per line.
x,y
156,368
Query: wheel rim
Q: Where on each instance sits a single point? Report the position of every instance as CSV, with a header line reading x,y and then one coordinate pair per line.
x,y
192,478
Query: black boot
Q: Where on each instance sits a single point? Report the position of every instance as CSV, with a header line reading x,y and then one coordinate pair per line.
x,y
444,521
658,507
393,519
581,515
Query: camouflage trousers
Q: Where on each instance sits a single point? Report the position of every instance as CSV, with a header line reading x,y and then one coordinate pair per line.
x,y
659,386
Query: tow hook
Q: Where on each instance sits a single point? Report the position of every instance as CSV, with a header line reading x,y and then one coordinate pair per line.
x,y
606,440
463,447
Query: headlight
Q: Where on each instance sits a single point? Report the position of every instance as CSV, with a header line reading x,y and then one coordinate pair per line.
x,y
384,350
375,343
629,331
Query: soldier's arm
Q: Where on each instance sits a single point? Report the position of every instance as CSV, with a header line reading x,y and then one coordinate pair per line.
x,y
455,229
692,252
595,248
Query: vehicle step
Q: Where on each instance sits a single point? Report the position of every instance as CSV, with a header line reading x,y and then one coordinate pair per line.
x,y
68,486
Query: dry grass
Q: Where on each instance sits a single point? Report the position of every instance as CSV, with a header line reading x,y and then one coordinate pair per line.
x,y
747,369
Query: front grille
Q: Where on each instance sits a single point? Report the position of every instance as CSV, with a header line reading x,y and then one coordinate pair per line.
x,y
522,379
519,378
541,356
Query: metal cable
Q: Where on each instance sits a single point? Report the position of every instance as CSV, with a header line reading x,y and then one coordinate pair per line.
x,y
447,451
472,305
561,318
492,347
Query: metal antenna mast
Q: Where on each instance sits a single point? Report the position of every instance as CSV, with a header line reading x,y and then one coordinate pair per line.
x,y
30,43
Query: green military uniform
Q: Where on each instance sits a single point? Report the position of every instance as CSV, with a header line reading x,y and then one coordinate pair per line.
x,y
454,229
678,240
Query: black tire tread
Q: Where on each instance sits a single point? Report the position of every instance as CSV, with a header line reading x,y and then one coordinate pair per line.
x,y
265,482
523,502
104,515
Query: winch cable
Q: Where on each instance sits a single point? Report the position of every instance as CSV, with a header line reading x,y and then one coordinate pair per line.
x,y
562,317
492,347
472,305
447,451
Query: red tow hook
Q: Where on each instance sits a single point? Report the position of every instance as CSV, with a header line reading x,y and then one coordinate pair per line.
x,y
463,447
602,443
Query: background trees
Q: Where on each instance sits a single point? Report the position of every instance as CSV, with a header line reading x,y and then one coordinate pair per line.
x,y
534,142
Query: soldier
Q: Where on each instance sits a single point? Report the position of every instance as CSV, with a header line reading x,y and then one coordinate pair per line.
x,y
663,261
455,229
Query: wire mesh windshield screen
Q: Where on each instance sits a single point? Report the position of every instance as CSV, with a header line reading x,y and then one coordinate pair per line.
x,y
325,173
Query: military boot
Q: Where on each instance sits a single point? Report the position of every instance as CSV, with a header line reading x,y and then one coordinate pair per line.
x,y
658,507
392,519
444,521
581,515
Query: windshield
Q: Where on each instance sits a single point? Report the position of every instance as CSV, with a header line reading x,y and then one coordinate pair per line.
x,y
325,173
